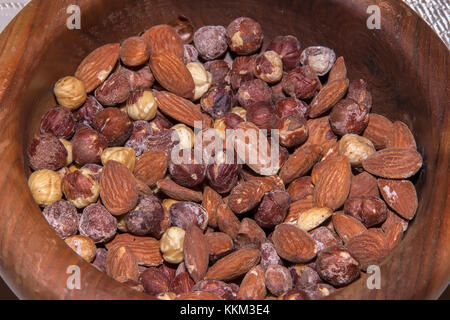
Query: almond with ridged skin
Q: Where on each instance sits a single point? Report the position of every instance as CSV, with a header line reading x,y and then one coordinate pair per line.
x,y
234,265
211,201
401,137
300,162
364,184
320,133
393,218
196,255
346,226
172,74
393,163
378,130
178,108
253,285
151,166
197,295
333,186
293,244
177,192
394,235
227,221
400,195
369,247
297,208
248,194
118,189
164,38
339,70
98,65
122,264
330,94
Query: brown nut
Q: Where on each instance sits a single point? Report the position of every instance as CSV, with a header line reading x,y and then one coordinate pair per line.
x,y
134,51
114,125
155,282
288,48
254,91
227,221
301,83
219,245
358,90
273,209
347,116
184,214
304,277
172,244
124,155
278,279
222,175
182,283
202,79
139,79
293,243
293,131
83,246
250,235
88,146
291,107
301,188
218,101
114,90
325,237
151,167
269,255
220,72
141,132
59,122
68,145
63,217
253,285
227,291
186,170
369,210
141,105
269,67
147,218
86,114
244,36
211,42
262,115
81,188
312,218
184,27
70,92
355,148
190,54
97,223
320,59
46,152
242,71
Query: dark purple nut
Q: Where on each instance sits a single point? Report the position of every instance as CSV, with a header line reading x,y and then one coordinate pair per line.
x,y
190,54
325,238
320,291
160,123
269,255
337,266
86,114
288,48
304,277
244,36
320,59
88,146
182,283
283,155
113,90
164,141
47,152
223,174
138,139
254,91
370,210
250,235
301,188
358,90
231,120
278,279
100,259
114,125
211,42
155,282
94,169
347,116
292,131
183,214
58,121
139,79
220,72
262,114
97,223
291,107
169,270
63,217
269,67
226,291
218,101
80,188
273,208
186,170
277,93
301,83
147,218
242,70
180,269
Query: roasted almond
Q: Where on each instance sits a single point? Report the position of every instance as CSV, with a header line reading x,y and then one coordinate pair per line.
x,y
122,264
300,162
320,133
177,192
364,184
253,285
151,166
247,195
400,195
338,71
297,208
378,130
393,218
196,256
346,226
293,243
401,137
250,235
394,235
312,218
219,245
211,200
227,221
234,265
164,38
330,94
369,247
178,108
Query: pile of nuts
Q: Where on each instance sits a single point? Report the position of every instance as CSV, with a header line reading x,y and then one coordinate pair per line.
x,y
335,200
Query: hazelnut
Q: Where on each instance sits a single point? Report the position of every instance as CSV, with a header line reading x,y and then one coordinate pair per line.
x,y
320,59
269,67
160,123
291,107
138,139
277,92
45,186
182,283
301,83
121,225
211,42
97,223
244,36
83,246
155,282
70,92
148,218
241,112
347,116
59,122
46,152
134,51
217,101
183,214
114,125
114,90
86,114
269,255
273,208
304,277
262,114
242,70
171,245
202,78
293,131
254,91
301,188
68,146
185,136
325,237
358,90
190,54
139,79
88,146
220,127
167,203
370,210
163,141
63,217
124,155
141,105
355,148
288,48
223,174
186,171
226,291
220,72
81,188
278,279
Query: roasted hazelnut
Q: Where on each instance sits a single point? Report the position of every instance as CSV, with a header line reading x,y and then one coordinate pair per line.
x,y
141,105
370,210
164,141
241,112
320,291
325,238
114,90
172,244
167,203
220,72
70,92
183,214
97,223
262,114
124,155
269,255
185,136
155,282
219,245
337,266
288,48
244,36
47,152
291,107
139,79
138,139
100,259
147,218
45,186
250,235
277,93
223,173
69,149
292,131
269,67
160,123
278,279
134,51
217,101
301,188
114,125
347,116
182,283
86,114
202,78
242,70
83,246
226,291
273,209
59,122
63,217
254,91
304,277
81,188
355,148
211,42
88,146
186,170
190,54
301,83
320,59
358,90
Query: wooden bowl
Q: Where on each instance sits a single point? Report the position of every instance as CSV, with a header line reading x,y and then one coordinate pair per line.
x,y
405,63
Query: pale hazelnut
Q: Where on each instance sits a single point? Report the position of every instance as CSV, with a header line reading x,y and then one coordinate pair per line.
x,y
45,186
186,136
83,246
355,148
70,92
172,244
220,126
124,155
68,145
81,188
269,67
241,112
202,78
141,105
167,203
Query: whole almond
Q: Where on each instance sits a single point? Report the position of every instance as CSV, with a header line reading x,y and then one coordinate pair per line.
x,y
196,257
400,195
364,184
250,235
330,94
211,200
293,243
400,137
297,208
378,130
151,166
177,192
247,195
234,265
178,108
253,285
312,218
163,38
227,221
346,226
219,245
393,218
122,264
369,247
318,168
300,162
320,133
394,235
338,71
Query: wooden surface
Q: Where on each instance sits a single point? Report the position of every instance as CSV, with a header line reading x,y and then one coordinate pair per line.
x,y
405,63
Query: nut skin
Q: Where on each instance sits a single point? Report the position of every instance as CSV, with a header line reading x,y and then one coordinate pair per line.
x,y
288,48
97,223
114,90
355,148
293,131
219,245
155,282
46,152
304,277
242,70
62,217
182,283
172,244
273,209
227,291
185,136
141,105
301,188
291,107
325,237
254,91
147,218
88,146
190,54
183,214
134,51
138,139
81,188
217,101
58,121
262,115
269,255
369,210
320,59
211,42
220,72
244,36
358,90
45,187
141,78
202,79
337,266
83,246
86,114
269,67
250,235
188,172
278,279
160,123
70,92
124,155
223,176
347,116
277,93
301,83
114,125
